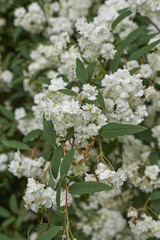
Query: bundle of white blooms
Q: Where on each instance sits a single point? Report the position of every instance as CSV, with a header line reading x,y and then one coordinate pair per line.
x,y
6,78
25,125
124,97
38,196
110,177
3,162
22,166
33,20
135,158
106,223
145,7
142,225
96,39
69,111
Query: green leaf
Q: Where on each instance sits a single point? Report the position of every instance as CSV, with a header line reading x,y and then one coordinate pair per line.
x,y
58,195
112,130
81,188
7,222
70,133
29,230
50,233
4,237
13,203
134,70
141,52
66,162
90,70
56,160
122,15
16,145
100,101
4,213
49,132
81,71
155,196
115,62
32,135
67,92
131,37
7,113
153,158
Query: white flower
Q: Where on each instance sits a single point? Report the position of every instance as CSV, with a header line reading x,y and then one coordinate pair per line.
x,y
89,92
152,172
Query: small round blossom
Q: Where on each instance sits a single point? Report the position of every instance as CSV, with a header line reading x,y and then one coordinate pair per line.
x,y
152,172
110,177
89,92
3,162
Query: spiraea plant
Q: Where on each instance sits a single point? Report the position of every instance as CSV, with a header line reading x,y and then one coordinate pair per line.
x,y
80,119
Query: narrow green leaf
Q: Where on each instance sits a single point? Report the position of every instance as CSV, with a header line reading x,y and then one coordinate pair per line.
x,y
100,100
112,130
16,145
81,71
70,133
56,160
131,37
141,52
122,15
153,158
7,113
90,70
81,188
134,70
7,222
4,213
66,162
32,135
155,196
50,233
49,132
13,203
115,62
58,195
28,232
67,92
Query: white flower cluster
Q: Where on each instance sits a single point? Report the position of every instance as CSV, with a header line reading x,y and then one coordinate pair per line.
x,y
3,162
38,197
142,225
6,78
33,20
105,225
145,7
135,158
87,119
25,125
96,39
124,97
22,166
110,177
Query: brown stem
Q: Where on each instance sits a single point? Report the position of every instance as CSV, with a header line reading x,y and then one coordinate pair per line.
x,y
49,219
148,199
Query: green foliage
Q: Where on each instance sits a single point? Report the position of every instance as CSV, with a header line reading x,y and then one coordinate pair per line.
x,y
66,162
123,14
52,232
49,132
56,160
141,52
32,135
81,71
15,144
68,92
81,188
112,130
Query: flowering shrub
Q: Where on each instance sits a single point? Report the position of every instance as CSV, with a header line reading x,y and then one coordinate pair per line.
x,y
80,119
